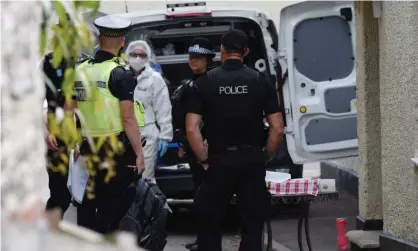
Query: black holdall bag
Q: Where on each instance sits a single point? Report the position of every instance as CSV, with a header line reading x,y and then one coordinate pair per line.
x,y
147,215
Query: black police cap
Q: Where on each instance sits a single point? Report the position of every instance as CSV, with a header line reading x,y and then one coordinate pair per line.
x,y
112,26
235,41
201,46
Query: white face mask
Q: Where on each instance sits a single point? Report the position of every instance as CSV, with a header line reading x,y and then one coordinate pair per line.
x,y
137,63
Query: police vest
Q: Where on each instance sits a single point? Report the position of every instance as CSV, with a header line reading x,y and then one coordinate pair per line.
x,y
100,110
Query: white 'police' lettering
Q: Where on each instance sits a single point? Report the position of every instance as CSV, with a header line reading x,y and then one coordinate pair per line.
x,y
233,90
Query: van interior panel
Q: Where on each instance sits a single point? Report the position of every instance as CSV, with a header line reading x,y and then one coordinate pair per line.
x,y
170,41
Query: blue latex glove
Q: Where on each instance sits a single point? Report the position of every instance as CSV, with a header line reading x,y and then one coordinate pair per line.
x,y
157,67
162,147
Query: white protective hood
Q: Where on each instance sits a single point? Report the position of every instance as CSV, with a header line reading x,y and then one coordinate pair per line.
x,y
152,91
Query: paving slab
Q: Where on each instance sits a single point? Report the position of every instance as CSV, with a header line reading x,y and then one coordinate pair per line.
x,y
182,225
229,243
322,223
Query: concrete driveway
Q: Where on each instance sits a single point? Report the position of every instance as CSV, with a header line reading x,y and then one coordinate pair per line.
x,y
284,224
181,227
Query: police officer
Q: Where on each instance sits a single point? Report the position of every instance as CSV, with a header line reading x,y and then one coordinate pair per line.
x,y
232,100
201,54
60,197
104,96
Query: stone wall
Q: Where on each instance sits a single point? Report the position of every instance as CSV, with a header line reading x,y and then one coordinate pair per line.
x,y
369,114
22,95
23,224
399,122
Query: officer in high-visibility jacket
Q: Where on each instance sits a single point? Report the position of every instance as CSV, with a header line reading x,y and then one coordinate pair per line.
x,y
104,96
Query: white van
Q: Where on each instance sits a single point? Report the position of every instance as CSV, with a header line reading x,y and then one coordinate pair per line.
x,y
312,64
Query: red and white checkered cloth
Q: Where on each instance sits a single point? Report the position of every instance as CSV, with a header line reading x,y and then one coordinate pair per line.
x,y
294,187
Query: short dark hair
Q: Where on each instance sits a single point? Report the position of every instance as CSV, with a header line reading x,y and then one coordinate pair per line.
x,y
235,41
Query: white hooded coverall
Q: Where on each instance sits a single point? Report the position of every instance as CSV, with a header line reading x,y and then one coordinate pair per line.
x,y
152,91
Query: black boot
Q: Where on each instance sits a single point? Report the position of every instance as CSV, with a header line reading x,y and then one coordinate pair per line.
x,y
192,246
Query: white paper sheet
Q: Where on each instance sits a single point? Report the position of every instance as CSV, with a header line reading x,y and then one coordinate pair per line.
x,y
77,177
277,177
175,167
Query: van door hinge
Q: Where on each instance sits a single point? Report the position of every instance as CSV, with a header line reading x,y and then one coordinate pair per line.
x,y
262,19
377,9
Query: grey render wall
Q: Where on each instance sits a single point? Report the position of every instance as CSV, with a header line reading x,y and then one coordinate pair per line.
x,y
399,120
368,96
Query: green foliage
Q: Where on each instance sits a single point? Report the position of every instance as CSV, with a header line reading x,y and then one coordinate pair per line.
x,y
66,41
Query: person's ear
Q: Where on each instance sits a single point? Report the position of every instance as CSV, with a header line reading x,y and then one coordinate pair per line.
x,y
123,42
246,52
206,62
223,53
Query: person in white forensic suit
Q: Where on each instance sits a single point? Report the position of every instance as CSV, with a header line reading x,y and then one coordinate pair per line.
x,y
152,91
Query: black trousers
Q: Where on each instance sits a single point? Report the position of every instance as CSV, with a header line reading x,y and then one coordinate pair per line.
x,y
239,172
60,197
102,212
198,175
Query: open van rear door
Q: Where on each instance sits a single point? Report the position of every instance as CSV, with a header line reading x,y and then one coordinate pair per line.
x,y
317,48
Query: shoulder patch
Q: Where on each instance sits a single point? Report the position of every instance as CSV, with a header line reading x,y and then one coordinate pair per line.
x,y
48,56
120,62
126,67
83,58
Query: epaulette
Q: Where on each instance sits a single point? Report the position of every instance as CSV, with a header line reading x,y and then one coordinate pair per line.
x,y
120,61
176,96
126,67
83,58
48,58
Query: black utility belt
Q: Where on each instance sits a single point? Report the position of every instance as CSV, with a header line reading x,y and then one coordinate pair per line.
x,y
85,148
235,148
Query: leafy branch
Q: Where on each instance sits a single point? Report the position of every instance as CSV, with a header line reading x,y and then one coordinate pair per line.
x,y
66,42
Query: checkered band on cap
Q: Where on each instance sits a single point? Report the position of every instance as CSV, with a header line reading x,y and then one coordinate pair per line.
x,y
112,26
200,50
112,33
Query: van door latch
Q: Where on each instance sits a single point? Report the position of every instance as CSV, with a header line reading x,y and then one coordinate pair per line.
x,y
282,54
288,129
